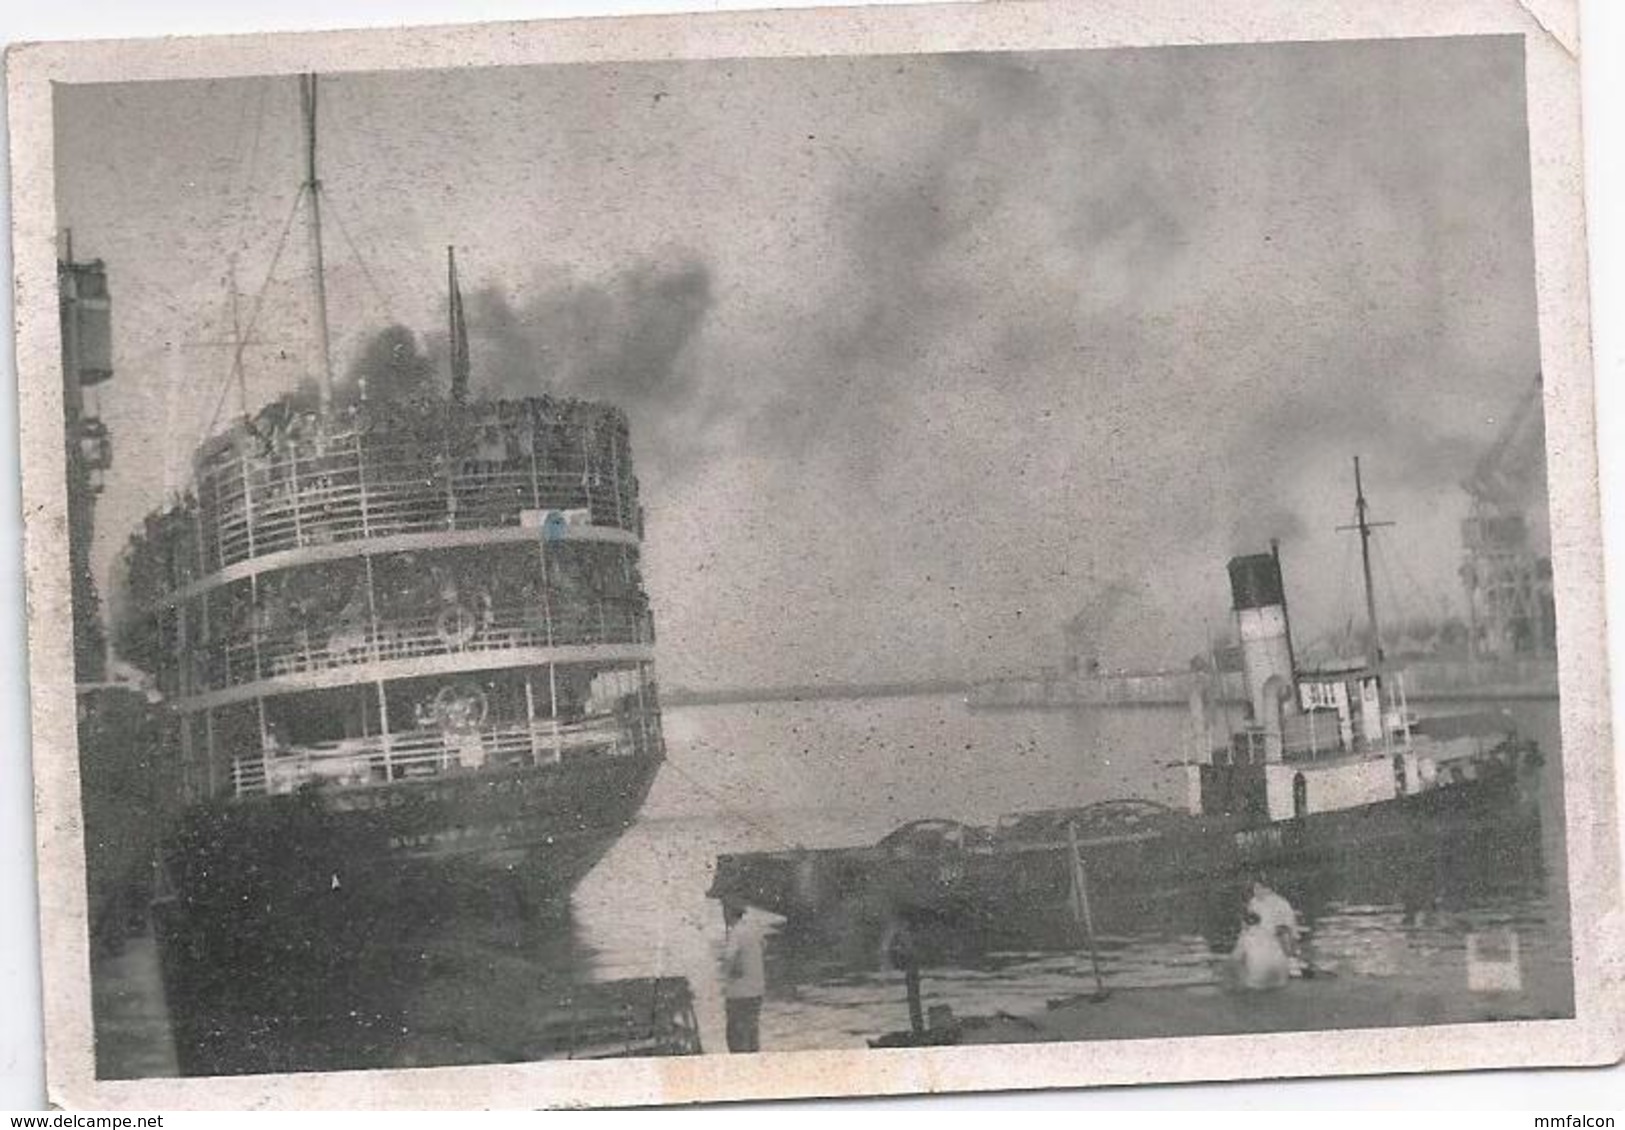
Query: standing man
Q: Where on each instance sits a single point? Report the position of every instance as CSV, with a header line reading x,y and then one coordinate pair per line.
x,y
900,951
743,979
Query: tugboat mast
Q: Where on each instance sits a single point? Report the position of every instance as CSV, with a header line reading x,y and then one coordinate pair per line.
x,y
1364,525
313,188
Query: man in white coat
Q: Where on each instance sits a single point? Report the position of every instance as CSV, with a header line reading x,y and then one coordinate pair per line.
x,y
743,979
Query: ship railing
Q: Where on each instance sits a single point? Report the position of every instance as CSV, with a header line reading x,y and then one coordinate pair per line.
x,y
381,759
253,506
240,660
1299,742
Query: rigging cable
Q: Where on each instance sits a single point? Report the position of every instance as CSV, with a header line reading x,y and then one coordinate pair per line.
x,y
385,306
250,162
239,333
239,339
249,165
728,809
228,305
337,135
254,314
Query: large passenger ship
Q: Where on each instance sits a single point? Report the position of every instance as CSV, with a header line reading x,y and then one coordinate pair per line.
x,y
408,656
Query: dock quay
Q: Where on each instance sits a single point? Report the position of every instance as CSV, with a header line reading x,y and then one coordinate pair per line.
x,y
133,1039
430,1015
1327,1001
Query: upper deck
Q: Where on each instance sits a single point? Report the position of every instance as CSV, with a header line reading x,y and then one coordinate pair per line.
x,y
280,492
399,590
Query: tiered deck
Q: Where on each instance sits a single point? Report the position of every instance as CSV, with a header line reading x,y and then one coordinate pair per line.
x,y
401,591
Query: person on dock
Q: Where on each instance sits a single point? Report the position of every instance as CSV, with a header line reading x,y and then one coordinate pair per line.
x,y
901,953
1259,960
744,979
1275,914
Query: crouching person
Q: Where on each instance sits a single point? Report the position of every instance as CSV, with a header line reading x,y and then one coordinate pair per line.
x,y
1259,960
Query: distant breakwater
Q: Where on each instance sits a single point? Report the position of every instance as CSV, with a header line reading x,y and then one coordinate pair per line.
x,y
717,696
1433,680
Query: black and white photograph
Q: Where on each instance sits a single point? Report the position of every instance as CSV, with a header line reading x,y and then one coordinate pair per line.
x,y
898,551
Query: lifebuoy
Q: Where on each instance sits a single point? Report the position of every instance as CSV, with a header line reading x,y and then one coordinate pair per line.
x,y
460,707
457,626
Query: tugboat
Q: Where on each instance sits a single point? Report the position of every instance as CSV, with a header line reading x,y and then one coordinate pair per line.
x,y
1330,767
408,658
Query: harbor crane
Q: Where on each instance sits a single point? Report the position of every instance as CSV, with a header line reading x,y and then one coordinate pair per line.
x,y
1508,581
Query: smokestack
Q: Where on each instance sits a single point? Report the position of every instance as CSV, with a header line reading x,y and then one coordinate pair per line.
x,y
1259,599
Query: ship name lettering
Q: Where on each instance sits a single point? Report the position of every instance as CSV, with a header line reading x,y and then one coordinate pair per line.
x,y
503,830
1250,840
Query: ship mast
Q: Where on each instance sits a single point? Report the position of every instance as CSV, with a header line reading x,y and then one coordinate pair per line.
x,y
313,187
1364,526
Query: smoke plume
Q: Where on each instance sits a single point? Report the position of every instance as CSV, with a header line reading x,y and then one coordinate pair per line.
x,y
626,340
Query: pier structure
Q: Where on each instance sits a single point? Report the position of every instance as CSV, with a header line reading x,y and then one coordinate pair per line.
x,y
1426,680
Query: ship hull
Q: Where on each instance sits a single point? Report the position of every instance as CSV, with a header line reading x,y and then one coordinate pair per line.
x,y
297,931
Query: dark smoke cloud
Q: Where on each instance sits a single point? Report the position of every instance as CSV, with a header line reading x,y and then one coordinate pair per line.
x,y
393,368
839,374
909,231
625,341
1291,440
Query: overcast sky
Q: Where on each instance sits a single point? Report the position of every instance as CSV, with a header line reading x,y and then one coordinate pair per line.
x,y
923,353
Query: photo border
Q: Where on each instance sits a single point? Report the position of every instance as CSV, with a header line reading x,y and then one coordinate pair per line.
x,y
1549,29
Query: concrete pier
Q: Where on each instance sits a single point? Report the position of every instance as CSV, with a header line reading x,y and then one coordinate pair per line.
x,y
132,1022
1325,1002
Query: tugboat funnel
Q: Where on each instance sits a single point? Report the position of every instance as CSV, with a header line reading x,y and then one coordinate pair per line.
x,y
1259,600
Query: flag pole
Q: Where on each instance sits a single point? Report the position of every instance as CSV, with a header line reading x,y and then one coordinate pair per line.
x,y
458,332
